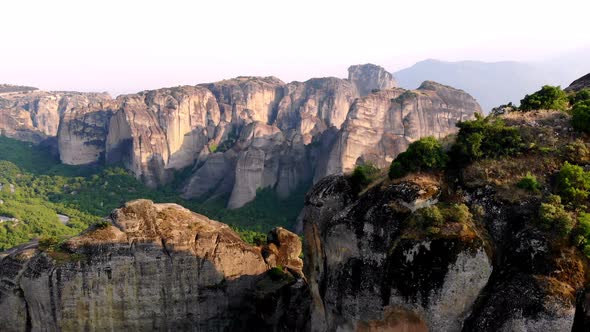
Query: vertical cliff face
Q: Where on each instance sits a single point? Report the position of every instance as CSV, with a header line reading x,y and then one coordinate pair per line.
x,y
35,115
382,124
243,100
83,128
154,267
158,131
315,105
369,77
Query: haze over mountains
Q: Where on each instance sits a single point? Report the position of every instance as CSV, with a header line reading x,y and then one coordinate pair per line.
x,y
496,83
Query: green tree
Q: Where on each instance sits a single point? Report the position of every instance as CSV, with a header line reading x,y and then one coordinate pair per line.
x,y
425,154
363,175
529,182
549,98
554,217
582,95
581,116
573,183
485,137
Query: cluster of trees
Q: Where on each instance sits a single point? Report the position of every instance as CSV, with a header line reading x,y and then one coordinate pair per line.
x,y
45,188
425,154
484,137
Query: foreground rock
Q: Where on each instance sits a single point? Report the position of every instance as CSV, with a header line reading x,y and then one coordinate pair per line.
x,y
374,262
154,267
369,271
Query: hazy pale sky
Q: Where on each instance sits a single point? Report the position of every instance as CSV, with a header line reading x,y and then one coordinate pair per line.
x,y
126,46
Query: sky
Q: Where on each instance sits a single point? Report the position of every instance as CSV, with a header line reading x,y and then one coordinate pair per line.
x,y
127,46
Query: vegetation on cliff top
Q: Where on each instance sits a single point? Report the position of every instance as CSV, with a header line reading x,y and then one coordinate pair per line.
x,y
524,155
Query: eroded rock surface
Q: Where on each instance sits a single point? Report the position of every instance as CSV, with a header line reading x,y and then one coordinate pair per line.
x,y
363,263
383,124
239,135
369,77
158,131
34,115
152,267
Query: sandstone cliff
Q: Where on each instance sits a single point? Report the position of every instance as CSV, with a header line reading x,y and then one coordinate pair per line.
x,y
83,128
33,115
153,267
155,132
382,124
367,78
243,134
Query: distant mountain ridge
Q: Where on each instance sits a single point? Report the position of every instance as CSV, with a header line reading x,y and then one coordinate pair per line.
x,y
496,83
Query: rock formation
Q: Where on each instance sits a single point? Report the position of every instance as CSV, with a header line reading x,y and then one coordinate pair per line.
x,y
33,115
243,134
83,129
384,258
363,263
155,132
153,267
382,124
579,84
368,78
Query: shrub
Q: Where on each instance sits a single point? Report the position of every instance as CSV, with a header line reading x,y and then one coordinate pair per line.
x,y
581,116
529,182
102,224
579,96
424,154
48,243
549,98
457,213
485,138
554,217
577,152
582,230
435,216
573,183
276,273
363,175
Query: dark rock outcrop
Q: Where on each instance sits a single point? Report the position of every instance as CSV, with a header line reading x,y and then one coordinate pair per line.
x,y
369,266
363,263
579,84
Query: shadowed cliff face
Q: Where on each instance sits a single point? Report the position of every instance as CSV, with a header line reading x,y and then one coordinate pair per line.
x,y
364,261
154,267
372,263
243,134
